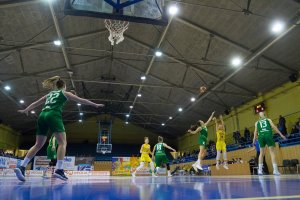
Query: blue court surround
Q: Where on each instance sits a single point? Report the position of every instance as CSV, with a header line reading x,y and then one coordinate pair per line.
x,y
241,187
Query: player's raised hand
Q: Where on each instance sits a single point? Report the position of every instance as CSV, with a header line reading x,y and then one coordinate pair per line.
x,y
100,105
23,111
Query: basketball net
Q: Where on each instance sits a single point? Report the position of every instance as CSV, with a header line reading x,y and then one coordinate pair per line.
x,y
116,29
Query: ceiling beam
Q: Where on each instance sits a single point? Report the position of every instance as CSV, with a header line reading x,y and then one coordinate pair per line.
x,y
248,60
186,64
14,3
45,43
161,39
229,41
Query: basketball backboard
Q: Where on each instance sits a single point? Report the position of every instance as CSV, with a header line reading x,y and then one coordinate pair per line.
x,y
140,11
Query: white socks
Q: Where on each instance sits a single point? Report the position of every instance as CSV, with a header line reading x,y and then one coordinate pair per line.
x,y
260,166
59,164
25,162
152,167
275,167
224,155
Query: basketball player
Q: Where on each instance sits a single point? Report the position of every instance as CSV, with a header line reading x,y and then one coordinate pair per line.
x,y
160,154
50,120
51,154
263,128
145,150
202,141
221,145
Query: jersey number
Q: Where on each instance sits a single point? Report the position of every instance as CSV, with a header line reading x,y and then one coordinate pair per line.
x,y
158,147
52,98
263,124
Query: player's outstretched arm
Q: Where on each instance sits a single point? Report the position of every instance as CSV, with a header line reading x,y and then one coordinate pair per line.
x,y
222,122
168,147
276,129
216,123
34,105
154,149
141,149
255,133
210,118
196,131
82,100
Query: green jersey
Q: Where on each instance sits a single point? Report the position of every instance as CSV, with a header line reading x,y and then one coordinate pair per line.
x,y
203,131
264,127
51,143
160,149
55,101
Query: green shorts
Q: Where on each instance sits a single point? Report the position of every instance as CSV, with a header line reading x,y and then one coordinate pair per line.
x,y
160,159
50,121
264,140
202,141
51,154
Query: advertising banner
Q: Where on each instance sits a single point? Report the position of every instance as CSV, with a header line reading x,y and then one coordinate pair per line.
x,y
41,163
4,162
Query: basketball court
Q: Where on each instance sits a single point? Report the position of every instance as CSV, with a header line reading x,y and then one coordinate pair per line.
x,y
248,187
187,76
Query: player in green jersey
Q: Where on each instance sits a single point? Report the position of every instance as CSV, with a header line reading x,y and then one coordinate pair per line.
x,y
264,133
51,155
160,154
202,140
50,120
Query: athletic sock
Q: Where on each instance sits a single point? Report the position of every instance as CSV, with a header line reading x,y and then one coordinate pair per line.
x,y
59,164
25,162
260,166
275,167
169,173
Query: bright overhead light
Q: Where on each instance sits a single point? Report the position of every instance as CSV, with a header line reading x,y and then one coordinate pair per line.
x,y
32,112
127,115
173,10
78,104
130,107
126,123
7,88
139,95
21,101
170,117
81,114
193,99
57,42
237,61
158,53
180,109
277,27
163,124
80,120
143,78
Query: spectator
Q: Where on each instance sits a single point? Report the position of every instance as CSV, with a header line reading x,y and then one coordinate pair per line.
x,y
247,134
282,126
237,136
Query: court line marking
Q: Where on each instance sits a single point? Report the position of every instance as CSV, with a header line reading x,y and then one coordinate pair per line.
x,y
274,197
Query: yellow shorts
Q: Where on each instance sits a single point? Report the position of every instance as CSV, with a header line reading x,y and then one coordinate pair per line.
x,y
145,158
221,146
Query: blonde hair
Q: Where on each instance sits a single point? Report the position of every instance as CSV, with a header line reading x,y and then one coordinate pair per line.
x,y
51,83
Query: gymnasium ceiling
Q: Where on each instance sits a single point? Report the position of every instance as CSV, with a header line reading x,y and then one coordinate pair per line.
x,y
197,48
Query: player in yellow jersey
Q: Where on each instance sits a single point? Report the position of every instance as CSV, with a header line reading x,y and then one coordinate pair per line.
x,y
145,151
221,145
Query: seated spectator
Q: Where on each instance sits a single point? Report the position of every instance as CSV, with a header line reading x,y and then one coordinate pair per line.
x,y
282,126
247,134
236,136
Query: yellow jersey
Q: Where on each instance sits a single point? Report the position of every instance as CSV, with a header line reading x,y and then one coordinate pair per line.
x,y
145,148
220,136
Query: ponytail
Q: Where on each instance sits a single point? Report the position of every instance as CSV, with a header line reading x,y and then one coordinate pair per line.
x,y
50,83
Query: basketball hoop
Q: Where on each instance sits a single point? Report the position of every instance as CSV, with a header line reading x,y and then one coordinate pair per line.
x,y
103,150
116,29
